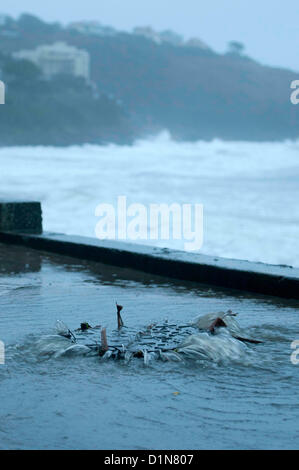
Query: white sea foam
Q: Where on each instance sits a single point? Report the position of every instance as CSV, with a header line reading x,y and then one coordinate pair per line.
x,y
217,348
250,191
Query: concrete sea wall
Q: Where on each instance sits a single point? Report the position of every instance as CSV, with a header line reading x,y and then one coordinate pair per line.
x,y
21,223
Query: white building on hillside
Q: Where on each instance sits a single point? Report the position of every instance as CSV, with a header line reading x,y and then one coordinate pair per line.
x,y
148,33
171,38
159,37
58,58
91,27
196,42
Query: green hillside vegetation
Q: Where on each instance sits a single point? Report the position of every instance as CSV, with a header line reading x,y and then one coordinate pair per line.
x,y
60,111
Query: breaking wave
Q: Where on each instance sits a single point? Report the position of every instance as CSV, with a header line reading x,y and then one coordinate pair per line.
x,y
249,190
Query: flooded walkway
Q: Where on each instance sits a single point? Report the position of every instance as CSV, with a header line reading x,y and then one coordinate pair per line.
x,y
85,403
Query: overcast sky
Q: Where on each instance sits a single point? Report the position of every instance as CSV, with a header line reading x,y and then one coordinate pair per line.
x,y
268,28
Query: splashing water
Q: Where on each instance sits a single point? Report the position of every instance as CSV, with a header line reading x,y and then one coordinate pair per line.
x,y
179,344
